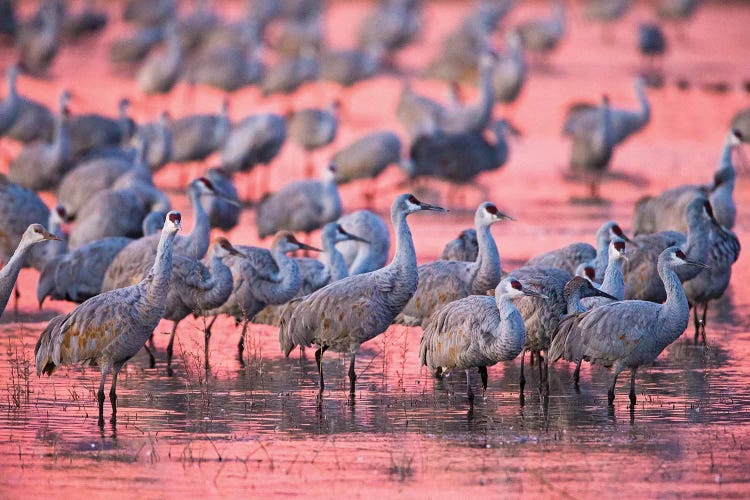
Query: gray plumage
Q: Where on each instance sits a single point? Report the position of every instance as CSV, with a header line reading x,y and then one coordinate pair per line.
x,y
677,10
78,274
349,312
109,329
227,68
418,115
476,331
33,121
641,280
300,206
444,281
158,137
464,248
614,281
363,257
313,128
629,333
255,140
582,119
38,42
152,13
543,35
34,234
367,157
195,137
473,118
160,70
91,131
87,20
10,105
135,47
134,261
19,208
592,149
41,166
224,210
196,288
289,74
570,257
347,67
510,71
666,211
391,25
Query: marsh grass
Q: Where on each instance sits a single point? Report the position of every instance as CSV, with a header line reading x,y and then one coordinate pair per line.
x,y
18,386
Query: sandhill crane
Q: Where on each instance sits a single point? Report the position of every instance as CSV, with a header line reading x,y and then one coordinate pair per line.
x,y
418,115
476,331
347,67
133,262
87,20
629,333
711,283
667,210
160,71
591,149
363,257
316,273
135,47
260,277
41,166
194,137
158,137
227,67
34,234
91,131
313,128
349,312
614,281
19,207
224,210
510,70
196,288
10,105
391,25
304,205
475,117
641,279
465,247
109,329
585,118
541,36
289,74
33,120
570,257
38,42
444,281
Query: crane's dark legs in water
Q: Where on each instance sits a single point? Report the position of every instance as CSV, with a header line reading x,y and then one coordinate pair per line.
x,y
170,349
17,296
469,392
151,359
700,323
522,379
352,375
703,322
241,344
632,387
207,340
483,376
611,391
100,394
577,374
319,361
113,393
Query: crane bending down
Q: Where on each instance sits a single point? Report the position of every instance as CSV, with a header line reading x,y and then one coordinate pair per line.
x,y
349,312
109,329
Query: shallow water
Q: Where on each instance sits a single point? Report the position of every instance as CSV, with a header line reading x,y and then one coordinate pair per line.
x,y
238,431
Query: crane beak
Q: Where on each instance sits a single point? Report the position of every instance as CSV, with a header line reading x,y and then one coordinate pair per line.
x,y
532,293
432,208
502,216
354,237
232,202
234,251
599,293
50,236
696,264
304,246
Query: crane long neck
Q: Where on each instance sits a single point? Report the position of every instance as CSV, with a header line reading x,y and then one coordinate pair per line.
x,y
645,111
602,256
614,282
488,267
333,261
9,273
405,257
674,313
291,277
60,145
487,97
725,161
158,286
198,239
510,335
574,304
606,126
331,201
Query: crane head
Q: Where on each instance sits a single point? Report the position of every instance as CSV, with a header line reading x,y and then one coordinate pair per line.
x,y
173,222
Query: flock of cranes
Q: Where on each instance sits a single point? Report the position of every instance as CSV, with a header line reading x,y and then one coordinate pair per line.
x,y
618,303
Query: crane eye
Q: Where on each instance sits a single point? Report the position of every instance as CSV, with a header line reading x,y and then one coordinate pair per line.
x,y
516,284
492,209
680,255
207,183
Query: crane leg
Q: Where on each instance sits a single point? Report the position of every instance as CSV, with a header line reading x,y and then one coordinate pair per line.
x,y
113,394
319,361
100,394
352,374
541,369
632,387
696,323
703,322
469,392
151,358
577,373
17,297
241,344
611,391
207,339
170,348
545,372
483,376
522,379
